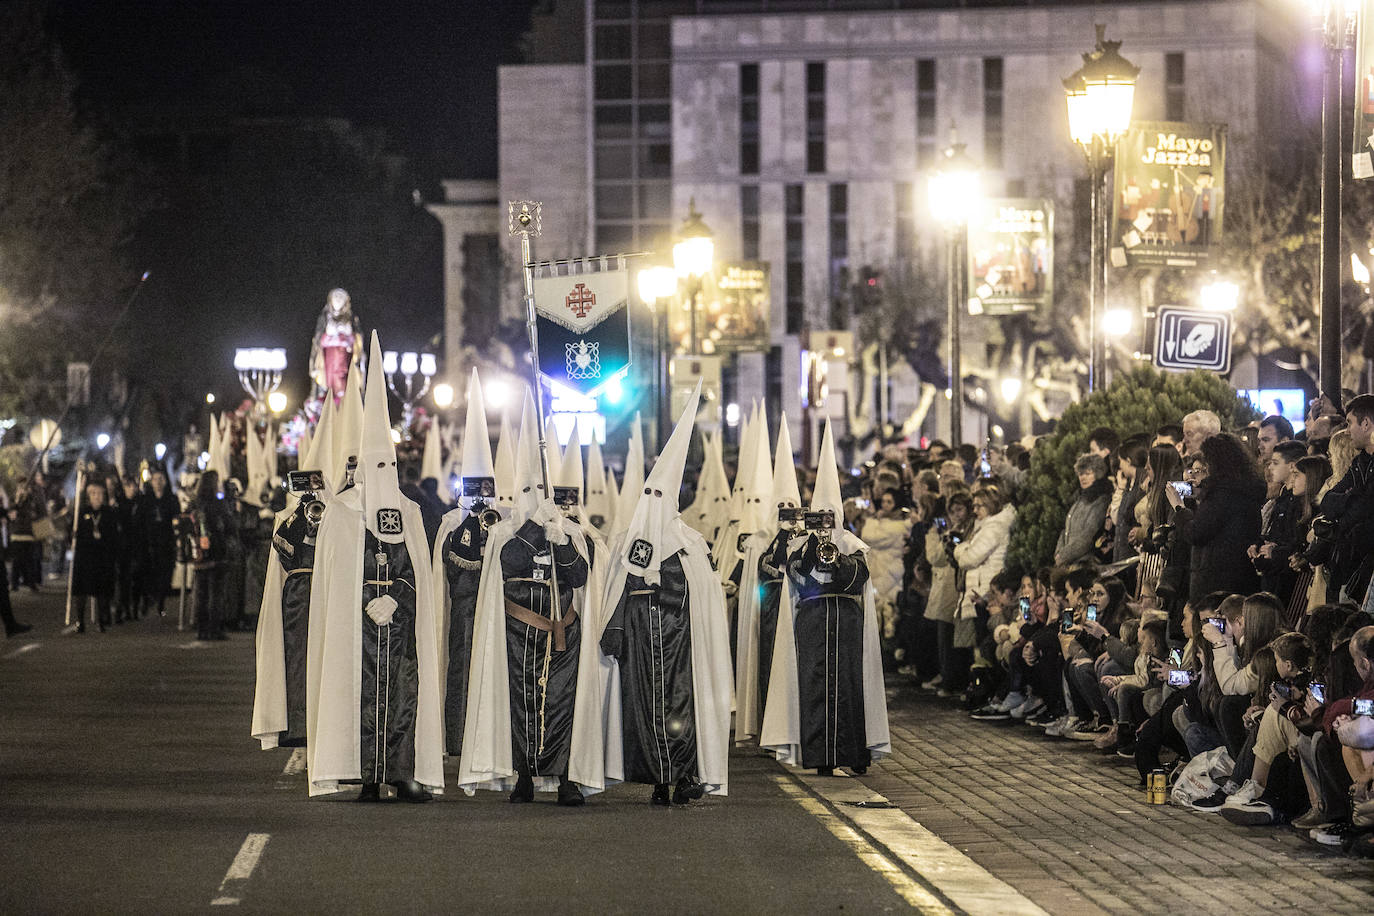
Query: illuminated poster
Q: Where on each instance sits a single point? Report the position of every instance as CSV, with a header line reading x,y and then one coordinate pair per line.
x,y
1011,256
1168,193
733,313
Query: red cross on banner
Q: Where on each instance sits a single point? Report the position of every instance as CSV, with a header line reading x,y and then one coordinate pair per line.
x,y
580,300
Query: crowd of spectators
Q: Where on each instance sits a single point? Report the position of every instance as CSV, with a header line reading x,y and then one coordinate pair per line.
x,y
1207,614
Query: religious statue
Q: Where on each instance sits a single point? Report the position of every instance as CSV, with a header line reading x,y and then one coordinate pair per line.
x,y
336,346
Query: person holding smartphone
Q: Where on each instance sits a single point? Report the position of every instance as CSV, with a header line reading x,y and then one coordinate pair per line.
x,y
943,599
1226,521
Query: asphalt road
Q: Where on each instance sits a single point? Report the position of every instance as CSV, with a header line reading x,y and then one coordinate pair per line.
x,y
130,784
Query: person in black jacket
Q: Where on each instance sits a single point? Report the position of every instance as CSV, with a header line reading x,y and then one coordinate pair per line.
x,y
1345,530
157,551
95,559
1226,521
129,601
211,532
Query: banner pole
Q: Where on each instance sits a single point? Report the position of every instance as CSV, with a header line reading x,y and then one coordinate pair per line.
x,y
525,222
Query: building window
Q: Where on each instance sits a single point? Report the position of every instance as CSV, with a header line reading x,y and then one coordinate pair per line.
x,y
749,119
794,295
1173,87
772,372
839,247
906,220
992,112
749,222
815,117
926,130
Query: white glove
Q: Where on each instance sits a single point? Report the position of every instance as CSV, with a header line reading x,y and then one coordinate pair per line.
x,y
556,533
546,513
381,609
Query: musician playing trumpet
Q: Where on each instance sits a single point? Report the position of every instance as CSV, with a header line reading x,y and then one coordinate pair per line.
x,y
826,707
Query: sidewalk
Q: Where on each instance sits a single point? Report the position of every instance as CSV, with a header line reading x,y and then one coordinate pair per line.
x,y
1069,829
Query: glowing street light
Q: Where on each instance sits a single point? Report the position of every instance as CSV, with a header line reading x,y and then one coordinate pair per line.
x,y
102,440
1011,389
1219,296
954,192
401,370
276,402
443,395
1117,322
496,394
259,370
693,253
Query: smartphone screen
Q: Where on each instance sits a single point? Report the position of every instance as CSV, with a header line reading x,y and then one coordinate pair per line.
x,y
1183,488
1092,612
1066,621
1364,707
1318,691
1176,658
1025,608
1218,622
1180,678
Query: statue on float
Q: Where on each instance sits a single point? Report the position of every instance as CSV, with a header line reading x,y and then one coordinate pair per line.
x,y
337,345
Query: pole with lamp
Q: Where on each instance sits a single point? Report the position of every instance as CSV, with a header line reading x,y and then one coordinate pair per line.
x,y
401,371
693,253
1338,20
657,286
1099,95
259,370
953,193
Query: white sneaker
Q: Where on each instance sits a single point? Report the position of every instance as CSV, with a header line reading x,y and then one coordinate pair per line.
x,y
1061,726
1011,701
1248,792
1030,707
934,682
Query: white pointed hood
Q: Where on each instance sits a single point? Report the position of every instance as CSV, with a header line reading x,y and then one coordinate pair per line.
x,y
716,513
632,486
476,441
785,489
432,458
254,463
529,475
827,493
505,465
655,532
382,499
320,457
220,445
570,467
348,428
758,492
597,495
303,444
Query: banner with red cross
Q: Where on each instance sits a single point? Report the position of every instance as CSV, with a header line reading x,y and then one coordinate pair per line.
x,y
583,319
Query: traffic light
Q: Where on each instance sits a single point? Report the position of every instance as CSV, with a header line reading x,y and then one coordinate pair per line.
x,y
870,292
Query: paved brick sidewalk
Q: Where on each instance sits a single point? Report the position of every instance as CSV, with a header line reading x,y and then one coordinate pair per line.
x,y
1069,829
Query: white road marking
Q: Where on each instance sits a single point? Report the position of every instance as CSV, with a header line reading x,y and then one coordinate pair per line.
x,y
241,869
295,766
958,878
196,644
22,649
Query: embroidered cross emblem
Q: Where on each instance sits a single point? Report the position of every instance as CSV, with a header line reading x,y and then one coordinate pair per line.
x,y
641,553
388,521
580,300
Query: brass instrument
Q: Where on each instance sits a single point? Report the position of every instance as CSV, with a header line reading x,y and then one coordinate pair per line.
x,y
827,552
314,512
487,517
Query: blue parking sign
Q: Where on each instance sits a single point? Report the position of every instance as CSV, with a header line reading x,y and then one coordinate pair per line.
x,y
1188,339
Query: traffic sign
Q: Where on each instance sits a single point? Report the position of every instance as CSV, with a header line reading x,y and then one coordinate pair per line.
x,y
1187,339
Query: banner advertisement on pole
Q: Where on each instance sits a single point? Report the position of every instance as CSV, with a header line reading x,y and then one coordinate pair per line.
x,y
583,318
1362,165
734,310
1169,193
1011,256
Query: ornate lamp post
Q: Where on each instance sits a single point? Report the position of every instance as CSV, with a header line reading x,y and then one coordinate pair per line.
x,y
692,255
1100,95
400,370
259,370
657,287
953,194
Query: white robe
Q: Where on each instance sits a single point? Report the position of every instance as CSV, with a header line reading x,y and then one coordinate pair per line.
x,y
487,760
748,703
781,732
711,684
269,694
334,660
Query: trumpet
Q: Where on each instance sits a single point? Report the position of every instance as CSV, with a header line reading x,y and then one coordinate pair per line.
x,y
314,513
486,515
827,552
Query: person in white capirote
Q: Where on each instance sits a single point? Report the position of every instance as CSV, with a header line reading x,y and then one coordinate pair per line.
x,y
373,707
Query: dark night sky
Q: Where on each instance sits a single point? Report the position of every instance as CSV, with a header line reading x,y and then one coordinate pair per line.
x,y
425,70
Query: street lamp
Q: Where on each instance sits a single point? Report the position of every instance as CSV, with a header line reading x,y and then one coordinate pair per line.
x,y
693,252
1099,96
400,370
1219,296
953,193
259,370
657,285
276,402
443,395
1338,19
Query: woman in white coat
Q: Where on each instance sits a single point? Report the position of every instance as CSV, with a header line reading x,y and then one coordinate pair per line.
x,y
886,532
981,556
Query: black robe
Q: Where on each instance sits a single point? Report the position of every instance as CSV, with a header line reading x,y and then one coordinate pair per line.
x,y
391,671
294,545
95,560
829,630
650,635
156,556
772,566
541,706
462,558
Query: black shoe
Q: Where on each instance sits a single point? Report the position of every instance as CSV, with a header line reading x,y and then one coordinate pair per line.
x,y
17,630
1211,803
411,791
687,791
569,795
990,713
1359,844
660,796
371,792
825,771
524,790
1041,719
858,771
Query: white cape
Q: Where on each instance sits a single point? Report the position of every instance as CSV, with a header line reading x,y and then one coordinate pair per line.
x,y
487,758
748,703
334,659
269,694
712,693
781,732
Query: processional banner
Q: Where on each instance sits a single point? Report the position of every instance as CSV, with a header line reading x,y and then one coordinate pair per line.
x,y
583,318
